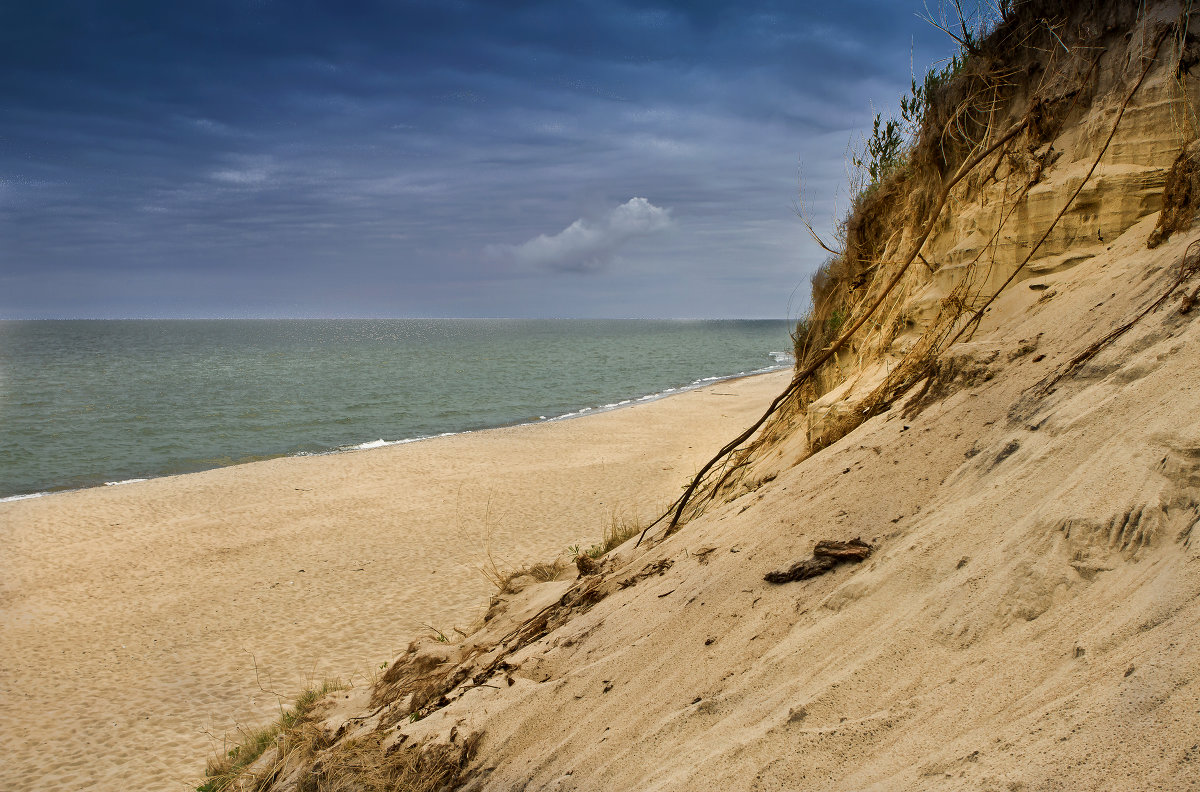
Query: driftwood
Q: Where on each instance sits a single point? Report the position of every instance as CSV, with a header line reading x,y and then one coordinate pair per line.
x,y
658,567
827,554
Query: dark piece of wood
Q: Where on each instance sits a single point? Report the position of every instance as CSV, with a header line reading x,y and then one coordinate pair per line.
x,y
802,570
827,554
854,550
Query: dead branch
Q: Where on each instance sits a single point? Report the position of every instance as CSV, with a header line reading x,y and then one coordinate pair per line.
x,y
827,554
811,368
677,508
798,208
1189,267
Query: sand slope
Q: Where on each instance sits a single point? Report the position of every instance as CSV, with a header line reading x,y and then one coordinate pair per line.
x,y
1030,619
1030,616
133,616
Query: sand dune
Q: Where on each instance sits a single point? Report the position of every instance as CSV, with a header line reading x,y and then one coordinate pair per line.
x,y
1028,616
1028,619
140,622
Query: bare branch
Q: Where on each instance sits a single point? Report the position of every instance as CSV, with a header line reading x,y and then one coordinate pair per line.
x,y
798,208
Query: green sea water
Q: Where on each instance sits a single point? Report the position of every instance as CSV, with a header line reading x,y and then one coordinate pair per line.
x,y
87,403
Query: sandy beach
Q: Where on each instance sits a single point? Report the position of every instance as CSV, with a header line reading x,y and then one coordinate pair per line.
x,y
959,552
142,622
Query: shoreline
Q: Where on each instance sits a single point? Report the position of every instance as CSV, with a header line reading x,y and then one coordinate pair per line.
x,y
381,443
186,602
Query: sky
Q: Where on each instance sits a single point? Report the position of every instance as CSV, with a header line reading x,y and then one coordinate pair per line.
x,y
361,158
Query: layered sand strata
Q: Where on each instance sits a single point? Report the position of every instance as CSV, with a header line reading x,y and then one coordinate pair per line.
x,y
142,622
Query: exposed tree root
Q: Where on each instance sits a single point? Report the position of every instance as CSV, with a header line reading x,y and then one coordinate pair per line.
x,y
977,317
813,366
1188,267
933,341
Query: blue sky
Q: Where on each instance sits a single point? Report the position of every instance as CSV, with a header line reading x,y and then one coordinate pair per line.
x,y
358,158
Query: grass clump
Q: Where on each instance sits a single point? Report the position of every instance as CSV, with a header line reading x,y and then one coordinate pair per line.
x,y
362,764
616,532
884,151
503,578
367,765
252,743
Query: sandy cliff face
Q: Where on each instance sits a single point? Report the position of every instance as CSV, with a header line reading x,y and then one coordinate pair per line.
x,y
1029,617
1030,185
1099,126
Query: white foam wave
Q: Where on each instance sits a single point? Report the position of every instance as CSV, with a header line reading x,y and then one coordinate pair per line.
x,y
26,496
380,443
29,495
783,358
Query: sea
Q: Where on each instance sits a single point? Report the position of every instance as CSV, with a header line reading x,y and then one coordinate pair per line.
x,y
87,403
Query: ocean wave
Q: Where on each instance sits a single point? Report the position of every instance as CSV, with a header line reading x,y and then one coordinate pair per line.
x,y
783,360
380,443
26,496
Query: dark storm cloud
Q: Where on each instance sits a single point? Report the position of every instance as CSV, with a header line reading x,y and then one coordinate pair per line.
x,y
305,158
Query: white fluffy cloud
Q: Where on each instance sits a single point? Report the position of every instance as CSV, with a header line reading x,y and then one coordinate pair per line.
x,y
586,246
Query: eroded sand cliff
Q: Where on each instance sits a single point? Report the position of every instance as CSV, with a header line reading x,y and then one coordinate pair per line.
x,y
1029,483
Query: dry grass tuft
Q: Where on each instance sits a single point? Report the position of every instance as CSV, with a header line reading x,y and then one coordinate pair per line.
x,y
296,752
616,532
368,765
1181,197
504,580
227,767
